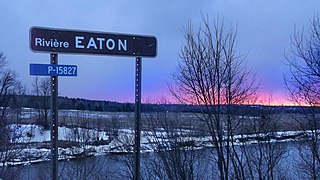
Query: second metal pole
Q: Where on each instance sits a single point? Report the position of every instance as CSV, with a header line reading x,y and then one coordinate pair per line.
x,y
54,120
137,133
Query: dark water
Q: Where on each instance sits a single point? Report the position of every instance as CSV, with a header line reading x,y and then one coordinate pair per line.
x,y
95,167
153,166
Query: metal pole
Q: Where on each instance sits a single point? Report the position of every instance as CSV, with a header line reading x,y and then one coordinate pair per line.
x,y
54,120
137,115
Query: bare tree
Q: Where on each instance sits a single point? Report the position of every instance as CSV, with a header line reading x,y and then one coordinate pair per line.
x,y
212,74
41,88
10,109
82,138
262,160
124,142
174,142
304,62
303,84
8,81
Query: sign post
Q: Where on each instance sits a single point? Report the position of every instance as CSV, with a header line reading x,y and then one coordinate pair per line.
x,y
137,116
54,120
55,41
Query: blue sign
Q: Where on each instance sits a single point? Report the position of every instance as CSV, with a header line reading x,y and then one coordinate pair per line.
x,y
53,70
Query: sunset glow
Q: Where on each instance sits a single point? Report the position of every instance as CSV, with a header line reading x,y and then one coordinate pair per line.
x,y
263,33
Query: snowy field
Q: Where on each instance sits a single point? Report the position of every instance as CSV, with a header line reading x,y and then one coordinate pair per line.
x,y
34,136
87,133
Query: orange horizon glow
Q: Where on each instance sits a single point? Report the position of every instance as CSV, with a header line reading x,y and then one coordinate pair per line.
x,y
282,103
265,99
276,99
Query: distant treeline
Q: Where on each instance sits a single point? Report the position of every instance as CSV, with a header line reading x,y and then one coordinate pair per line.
x,y
42,102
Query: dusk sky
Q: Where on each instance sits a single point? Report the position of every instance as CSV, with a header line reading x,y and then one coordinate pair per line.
x,y
264,29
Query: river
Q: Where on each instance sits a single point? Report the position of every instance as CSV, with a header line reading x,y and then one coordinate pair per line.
x,y
153,165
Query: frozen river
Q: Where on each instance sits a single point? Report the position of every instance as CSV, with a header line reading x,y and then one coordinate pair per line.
x,y
117,166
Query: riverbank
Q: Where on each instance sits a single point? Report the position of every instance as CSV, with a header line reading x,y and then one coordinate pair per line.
x,y
34,143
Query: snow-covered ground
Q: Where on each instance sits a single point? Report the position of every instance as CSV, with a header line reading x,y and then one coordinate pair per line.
x,y
93,142
36,133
